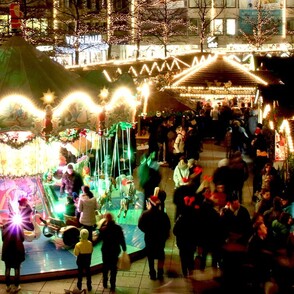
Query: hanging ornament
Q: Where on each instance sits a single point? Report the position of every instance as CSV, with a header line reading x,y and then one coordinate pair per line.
x,y
48,126
101,122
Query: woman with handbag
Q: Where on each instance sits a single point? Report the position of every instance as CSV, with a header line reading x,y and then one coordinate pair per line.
x,y
112,236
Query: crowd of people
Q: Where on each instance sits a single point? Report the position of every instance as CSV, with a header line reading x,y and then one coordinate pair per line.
x,y
255,252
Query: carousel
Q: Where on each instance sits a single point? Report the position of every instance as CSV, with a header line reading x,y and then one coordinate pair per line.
x,y
49,118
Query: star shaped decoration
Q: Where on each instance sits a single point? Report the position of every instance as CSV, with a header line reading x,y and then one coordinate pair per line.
x,y
48,97
103,95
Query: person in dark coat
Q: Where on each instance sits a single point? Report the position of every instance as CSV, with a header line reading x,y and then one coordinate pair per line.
x,y
192,141
112,236
155,224
260,254
149,176
237,227
260,155
211,234
182,191
71,182
187,238
236,222
238,174
13,252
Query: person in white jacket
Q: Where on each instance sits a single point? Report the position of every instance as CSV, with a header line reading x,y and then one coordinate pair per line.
x,y
181,173
88,207
179,145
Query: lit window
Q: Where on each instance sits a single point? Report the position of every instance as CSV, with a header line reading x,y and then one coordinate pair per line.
x,y
290,24
246,4
218,27
4,27
218,3
231,27
200,3
230,3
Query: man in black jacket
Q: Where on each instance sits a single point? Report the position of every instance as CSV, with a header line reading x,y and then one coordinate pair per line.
x,y
112,236
155,224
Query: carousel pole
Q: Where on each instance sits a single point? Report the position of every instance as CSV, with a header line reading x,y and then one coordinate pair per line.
x,y
123,147
129,149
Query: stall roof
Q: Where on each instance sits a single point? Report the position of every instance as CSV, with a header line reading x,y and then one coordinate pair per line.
x,y
26,71
219,71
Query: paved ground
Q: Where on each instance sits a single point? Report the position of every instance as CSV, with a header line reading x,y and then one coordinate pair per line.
x,y
137,281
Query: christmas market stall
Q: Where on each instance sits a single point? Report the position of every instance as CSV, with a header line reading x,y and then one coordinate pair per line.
x,y
219,78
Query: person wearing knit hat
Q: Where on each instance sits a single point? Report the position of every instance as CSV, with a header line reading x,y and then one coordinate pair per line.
x,y
154,200
71,181
155,224
161,194
83,251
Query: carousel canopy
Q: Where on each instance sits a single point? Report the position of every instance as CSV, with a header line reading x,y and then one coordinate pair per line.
x,y
26,71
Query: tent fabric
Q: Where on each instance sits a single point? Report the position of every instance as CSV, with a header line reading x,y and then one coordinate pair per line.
x,y
29,72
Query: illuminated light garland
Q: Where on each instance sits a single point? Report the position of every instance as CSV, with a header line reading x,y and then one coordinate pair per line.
x,y
202,60
34,158
240,66
122,95
186,73
285,127
77,97
133,70
156,67
234,57
24,102
107,75
16,140
174,64
213,91
266,111
145,68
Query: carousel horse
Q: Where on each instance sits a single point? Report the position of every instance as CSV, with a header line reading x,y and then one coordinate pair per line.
x,y
105,187
104,199
36,233
128,192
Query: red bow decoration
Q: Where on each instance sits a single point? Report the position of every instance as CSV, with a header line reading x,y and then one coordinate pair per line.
x,y
189,200
197,170
207,193
207,178
83,133
185,180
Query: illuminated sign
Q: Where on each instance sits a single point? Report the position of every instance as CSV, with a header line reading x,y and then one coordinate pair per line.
x,y
212,42
84,40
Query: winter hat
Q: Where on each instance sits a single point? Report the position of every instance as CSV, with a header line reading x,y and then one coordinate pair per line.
x,y
182,163
223,162
70,166
191,161
22,201
84,234
154,200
